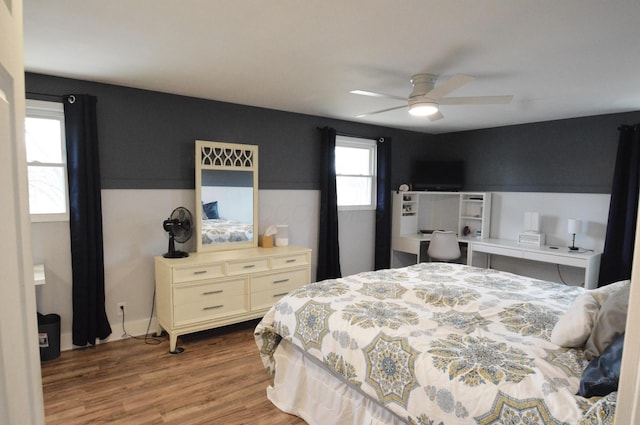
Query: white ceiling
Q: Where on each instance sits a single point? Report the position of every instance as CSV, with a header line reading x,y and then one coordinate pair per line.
x,y
559,58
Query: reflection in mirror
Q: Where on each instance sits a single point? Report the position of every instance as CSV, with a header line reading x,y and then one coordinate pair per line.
x,y
226,187
227,202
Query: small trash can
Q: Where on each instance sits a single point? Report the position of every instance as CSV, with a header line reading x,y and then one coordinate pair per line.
x,y
49,336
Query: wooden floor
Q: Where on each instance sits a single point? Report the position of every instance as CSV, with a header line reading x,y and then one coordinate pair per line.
x,y
219,379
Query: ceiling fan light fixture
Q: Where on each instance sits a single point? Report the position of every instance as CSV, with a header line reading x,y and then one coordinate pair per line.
x,y
423,109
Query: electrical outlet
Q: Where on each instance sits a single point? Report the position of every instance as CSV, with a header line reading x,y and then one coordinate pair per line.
x,y
121,308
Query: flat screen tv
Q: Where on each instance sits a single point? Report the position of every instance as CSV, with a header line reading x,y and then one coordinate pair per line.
x,y
437,175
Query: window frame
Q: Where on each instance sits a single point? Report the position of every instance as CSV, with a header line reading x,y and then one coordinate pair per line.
x,y
54,111
372,146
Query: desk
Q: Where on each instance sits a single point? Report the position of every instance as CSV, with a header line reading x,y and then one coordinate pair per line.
x,y
589,261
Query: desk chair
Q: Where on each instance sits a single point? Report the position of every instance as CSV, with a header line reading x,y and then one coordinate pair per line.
x,y
444,246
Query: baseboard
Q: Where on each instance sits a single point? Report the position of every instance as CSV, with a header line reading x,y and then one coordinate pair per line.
x,y
133,328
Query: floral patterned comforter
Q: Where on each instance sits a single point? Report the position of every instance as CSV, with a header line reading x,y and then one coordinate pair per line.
x,y
221,230
442,344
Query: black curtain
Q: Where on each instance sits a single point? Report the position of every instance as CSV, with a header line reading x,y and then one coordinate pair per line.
x,y
328,247
383,205
85,220
617,258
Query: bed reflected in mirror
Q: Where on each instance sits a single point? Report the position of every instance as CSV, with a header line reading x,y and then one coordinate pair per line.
x,y
227,206
226,191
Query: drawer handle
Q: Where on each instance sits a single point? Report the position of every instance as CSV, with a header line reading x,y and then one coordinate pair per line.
x,y
249,266
219,291
280,295
281,281
292,260
213,307
200,272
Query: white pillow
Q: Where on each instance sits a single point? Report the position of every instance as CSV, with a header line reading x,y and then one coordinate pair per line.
x,y
601,294
610,323
574,326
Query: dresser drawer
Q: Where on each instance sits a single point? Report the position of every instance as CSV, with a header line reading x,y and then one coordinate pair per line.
x,y
266,290
265,299
208,309
247,266
279,281
208,293
290,261
206,301
507,252
191,274
552,258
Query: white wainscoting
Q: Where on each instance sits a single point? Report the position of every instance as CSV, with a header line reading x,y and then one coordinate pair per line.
x,y
555,209
133,235
357,241
299,210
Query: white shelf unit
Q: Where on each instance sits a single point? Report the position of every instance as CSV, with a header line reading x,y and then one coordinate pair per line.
x,y
409,205
405,212
414,212
475,214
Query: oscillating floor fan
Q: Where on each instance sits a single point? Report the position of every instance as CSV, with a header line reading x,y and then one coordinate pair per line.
x,y
179,225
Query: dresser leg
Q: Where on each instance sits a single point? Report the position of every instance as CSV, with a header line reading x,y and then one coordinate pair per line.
x,y
158,332
173,341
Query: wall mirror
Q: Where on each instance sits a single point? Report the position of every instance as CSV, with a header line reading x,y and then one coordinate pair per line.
x,y
226,195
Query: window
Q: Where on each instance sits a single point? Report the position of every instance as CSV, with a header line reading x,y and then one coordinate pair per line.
x,y
46,161
356,173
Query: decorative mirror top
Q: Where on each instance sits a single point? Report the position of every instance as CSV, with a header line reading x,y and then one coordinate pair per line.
x,y
219,156
226,195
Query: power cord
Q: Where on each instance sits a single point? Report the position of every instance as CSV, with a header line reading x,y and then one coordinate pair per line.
x,y
561,279
150,340
560,275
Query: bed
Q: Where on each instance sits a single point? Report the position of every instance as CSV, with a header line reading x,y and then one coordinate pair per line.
x,y
432,343
222,230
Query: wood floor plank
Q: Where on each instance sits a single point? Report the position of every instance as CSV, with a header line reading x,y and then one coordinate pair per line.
x,y
219,379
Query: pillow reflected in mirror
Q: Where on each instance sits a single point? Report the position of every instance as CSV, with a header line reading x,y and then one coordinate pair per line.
x,y
210,210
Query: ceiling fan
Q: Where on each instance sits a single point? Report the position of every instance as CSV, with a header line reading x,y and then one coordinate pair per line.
x,y
426,98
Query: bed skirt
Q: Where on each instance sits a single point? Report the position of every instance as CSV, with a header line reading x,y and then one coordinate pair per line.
x,y
305,389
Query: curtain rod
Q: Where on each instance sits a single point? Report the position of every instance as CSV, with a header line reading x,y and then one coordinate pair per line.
x,y
55,96
357,136
634,127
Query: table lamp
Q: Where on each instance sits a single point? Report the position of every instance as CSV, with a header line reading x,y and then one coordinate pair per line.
x,y
574,226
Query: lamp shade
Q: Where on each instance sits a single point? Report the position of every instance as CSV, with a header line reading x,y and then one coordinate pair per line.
x,y
574,226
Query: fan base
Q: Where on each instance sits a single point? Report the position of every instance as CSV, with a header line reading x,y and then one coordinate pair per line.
x,y
175,254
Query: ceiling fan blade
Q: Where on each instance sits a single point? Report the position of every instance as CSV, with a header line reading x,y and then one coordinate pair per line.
x,y
374,94
476,100
435,117
448,86
381,111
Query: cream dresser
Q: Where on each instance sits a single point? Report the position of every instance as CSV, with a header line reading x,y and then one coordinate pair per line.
x,y
211,289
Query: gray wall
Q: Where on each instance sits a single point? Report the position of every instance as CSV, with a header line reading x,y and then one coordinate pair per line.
x,y
572,156
147,138
147,141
